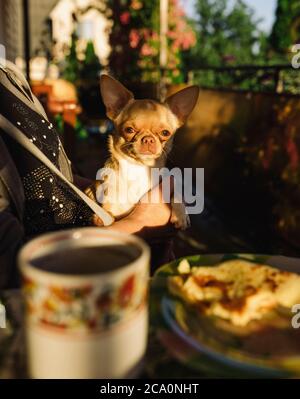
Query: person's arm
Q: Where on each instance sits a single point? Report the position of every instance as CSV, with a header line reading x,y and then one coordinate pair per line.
x,y
150,221
11,239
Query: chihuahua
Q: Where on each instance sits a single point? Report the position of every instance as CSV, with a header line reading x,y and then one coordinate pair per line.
x,y
142,139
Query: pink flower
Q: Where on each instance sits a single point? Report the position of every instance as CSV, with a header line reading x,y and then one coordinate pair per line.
x,y
125,18
134,38
146,50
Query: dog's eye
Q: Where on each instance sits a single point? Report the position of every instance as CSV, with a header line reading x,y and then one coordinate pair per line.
x,y
129,130
165,133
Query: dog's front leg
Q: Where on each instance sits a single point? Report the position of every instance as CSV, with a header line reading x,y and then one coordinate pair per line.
x,y
179,217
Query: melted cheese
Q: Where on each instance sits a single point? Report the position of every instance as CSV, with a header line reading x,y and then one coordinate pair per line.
x,y
236,290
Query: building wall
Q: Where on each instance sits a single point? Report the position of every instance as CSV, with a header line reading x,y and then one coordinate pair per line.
x,y
92,25
1,22
11,28
249,148
11,25
38,14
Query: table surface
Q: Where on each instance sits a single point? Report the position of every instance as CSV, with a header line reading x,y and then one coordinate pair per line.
x,y
158,362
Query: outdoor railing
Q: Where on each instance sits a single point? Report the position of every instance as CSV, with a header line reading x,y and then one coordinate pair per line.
x,y
265,78
251,78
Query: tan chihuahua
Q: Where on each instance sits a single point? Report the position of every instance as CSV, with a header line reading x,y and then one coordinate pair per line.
x,y
143,136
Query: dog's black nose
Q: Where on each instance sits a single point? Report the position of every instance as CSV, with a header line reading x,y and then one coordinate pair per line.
x,y
148,140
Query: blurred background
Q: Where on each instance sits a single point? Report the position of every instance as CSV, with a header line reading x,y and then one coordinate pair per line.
x,y
244,130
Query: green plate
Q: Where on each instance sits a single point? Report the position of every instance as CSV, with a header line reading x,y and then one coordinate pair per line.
x,y
202,343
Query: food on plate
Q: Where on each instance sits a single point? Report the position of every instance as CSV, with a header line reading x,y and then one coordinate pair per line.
x,y
235,290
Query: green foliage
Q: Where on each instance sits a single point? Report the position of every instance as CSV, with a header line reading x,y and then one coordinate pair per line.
x,y
286,29
135,40
291,81
74,69
265,80
72,66
226,36
129,17
59,121
91,66
80,130
229,37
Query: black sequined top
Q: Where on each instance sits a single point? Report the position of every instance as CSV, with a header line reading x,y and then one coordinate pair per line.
x,y
50,204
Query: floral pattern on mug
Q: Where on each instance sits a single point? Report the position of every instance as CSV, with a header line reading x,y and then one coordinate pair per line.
x,y
85,307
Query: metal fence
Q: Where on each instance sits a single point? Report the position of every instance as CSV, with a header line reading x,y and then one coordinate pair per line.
x,y
274,78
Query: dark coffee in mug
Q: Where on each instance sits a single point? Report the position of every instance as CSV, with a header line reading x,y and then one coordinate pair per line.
x,y
87,260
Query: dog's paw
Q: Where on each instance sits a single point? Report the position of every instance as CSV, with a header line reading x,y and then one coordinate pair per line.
x,y
179,217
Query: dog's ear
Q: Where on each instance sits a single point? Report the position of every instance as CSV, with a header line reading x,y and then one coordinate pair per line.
x,y
183,102
115,96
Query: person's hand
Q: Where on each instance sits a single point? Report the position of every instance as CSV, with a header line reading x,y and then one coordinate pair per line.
x,y
148,220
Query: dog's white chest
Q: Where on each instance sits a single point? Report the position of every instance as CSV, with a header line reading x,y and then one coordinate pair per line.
x,y
124,187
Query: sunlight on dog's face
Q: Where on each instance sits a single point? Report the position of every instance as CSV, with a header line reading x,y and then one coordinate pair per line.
x,y
145,128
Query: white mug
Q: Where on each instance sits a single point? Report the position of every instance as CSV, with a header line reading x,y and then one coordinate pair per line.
x,y
87,322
